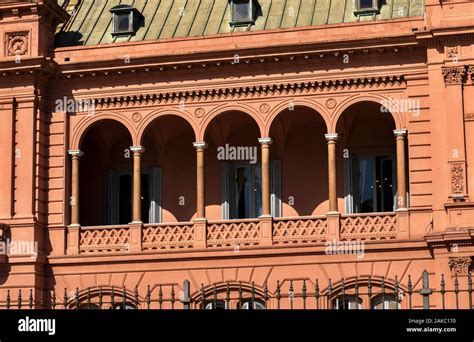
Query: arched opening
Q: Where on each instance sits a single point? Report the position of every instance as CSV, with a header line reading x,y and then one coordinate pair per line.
x,y
368,181
106,175
299,163
233,167
168,171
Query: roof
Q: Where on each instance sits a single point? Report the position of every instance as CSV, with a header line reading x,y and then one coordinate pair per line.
x,y
91,20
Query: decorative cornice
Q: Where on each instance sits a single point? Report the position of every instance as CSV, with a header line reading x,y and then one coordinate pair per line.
x,y
454,74
253,91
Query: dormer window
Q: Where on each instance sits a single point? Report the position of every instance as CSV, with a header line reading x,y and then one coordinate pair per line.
x,y
243,12
126,20
367,7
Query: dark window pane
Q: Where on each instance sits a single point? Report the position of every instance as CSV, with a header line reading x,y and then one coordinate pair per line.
x,y
122,22
366,4
145,203
366,185
386,181
241,10
125,199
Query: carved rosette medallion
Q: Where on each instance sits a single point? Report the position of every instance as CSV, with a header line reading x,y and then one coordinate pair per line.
x,y
199,112
136,117
264,108
331,103
452,52
16,43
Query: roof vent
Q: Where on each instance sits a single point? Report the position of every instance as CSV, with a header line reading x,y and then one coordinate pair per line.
x,y
243,12
126,20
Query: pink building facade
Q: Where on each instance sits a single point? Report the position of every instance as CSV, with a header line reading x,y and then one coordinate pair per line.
x,y
253,161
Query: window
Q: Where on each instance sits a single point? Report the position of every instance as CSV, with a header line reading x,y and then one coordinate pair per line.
x,y
370,184
217,305
126,306
256,305
349,303
243,12
367,7
387,302
120,201
126,20
242,190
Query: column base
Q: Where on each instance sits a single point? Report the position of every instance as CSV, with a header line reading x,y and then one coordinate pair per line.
x,y
266,230
200,233
334,223
73,239
136,230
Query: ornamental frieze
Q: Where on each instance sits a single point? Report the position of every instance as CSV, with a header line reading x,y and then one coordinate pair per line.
x,y
308,87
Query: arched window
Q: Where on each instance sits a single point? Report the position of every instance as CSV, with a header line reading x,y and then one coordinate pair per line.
x,y
348,303
257,305
217,305
387,302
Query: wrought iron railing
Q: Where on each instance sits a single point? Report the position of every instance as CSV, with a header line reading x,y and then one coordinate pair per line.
x,y
355,293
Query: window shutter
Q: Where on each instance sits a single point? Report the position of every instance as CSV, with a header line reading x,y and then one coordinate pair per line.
x,y
113,191
348,186
227,191
155,195
275,199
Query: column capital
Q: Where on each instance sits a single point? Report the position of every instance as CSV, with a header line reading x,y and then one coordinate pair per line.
x,y
453,75
265,141
332,136
75,153
400,132
200,145
137,149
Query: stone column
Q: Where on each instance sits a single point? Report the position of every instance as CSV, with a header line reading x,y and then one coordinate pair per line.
x,y
400,135
265,142
332,179
200,202
74,201
137,195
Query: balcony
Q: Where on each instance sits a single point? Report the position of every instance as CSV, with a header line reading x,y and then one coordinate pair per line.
x,y
236,234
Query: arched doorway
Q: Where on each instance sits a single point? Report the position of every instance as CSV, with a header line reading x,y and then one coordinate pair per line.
x,y
106,175
368,146
299,160
168,171
233,167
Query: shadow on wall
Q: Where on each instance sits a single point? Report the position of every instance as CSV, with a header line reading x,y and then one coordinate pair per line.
x,y
69,38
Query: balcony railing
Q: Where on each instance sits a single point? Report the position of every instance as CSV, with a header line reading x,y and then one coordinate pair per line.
x,y
377,226
300,230
167,236
248,233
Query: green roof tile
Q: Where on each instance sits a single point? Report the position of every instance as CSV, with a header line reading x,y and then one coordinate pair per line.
x,y
91,23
